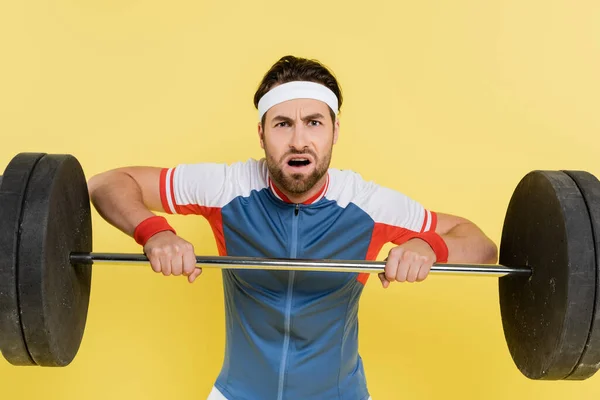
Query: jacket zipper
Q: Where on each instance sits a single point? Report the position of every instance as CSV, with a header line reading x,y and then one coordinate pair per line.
x,y
288,306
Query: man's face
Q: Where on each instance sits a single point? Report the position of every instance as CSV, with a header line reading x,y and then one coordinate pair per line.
x,y
298,137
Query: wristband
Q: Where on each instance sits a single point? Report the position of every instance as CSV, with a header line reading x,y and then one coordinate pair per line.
x,y
437,244
150,227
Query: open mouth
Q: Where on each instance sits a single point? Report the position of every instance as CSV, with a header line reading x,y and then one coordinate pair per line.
x,y
298,162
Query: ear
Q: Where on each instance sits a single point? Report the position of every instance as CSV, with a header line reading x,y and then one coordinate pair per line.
x,y
261,136
336,130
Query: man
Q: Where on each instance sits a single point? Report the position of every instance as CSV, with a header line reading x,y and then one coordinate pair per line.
x,y
289,334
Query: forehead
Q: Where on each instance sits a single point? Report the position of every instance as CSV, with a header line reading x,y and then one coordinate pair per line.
x,y
298,107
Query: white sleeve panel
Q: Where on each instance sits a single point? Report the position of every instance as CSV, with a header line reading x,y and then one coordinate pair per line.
x,y
382,204
213,185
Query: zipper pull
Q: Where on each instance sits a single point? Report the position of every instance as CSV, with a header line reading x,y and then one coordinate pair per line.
x,y
297,209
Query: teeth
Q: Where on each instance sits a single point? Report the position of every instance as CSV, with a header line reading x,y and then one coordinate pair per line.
x,y
299,159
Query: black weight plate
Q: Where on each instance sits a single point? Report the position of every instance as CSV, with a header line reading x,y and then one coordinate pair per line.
x,y
54,294
547,317
12,192
590,360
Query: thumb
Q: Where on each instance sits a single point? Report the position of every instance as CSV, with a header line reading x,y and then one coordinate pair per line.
x,y
196,273
384,282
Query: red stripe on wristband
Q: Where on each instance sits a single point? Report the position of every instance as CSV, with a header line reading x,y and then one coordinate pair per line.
x,y
150,227
437,244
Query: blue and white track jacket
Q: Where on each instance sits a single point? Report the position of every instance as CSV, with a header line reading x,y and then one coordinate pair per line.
x,y
292,334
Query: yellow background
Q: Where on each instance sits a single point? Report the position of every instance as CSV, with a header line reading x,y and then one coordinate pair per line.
x,y
449,102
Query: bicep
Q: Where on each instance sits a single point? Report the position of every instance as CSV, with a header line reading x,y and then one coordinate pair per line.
x,y
131,183
447,222
148,180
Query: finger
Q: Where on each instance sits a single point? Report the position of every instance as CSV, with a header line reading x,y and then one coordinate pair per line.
x,y
425,269
155,263
177,263
391,265
153,258
165,263
384,282
195,274
189,263
415,267
404,265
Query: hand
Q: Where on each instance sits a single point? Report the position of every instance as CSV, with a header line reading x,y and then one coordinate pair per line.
x,y
408,262
170,254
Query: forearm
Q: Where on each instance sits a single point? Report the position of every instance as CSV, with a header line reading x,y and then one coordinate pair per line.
x,y
118,199
468,244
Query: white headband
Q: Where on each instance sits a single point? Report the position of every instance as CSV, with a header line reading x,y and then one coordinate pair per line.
x,y
297,90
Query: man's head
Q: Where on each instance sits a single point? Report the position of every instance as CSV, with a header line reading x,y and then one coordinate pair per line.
x,y
299,100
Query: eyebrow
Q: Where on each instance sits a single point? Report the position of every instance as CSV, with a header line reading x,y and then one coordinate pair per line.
x,y
314,116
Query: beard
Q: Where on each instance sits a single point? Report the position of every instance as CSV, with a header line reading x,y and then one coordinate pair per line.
x,y
297,184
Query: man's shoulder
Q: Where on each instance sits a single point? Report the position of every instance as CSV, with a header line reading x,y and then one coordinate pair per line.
x,y
241,175
346,185
251,172
344,173
247,166
383,204
351,186
348,178
252,169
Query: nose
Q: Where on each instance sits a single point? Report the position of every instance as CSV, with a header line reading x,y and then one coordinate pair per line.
x,y
299,139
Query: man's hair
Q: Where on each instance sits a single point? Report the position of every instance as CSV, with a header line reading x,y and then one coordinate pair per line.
x,y
290,68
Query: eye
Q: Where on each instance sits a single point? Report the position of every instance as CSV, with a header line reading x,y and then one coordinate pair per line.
x,y
281,124
315,122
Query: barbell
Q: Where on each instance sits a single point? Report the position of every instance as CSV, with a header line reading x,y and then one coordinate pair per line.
x,y
547,276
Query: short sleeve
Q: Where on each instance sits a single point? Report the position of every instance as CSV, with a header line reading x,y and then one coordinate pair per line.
x,y
397,216
197,188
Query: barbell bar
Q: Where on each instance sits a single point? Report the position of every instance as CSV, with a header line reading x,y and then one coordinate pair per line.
x,y
295,264
547,273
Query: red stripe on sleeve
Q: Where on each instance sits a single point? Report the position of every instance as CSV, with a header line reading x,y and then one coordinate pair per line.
x,y
433,221
172,184
425,220
163,190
